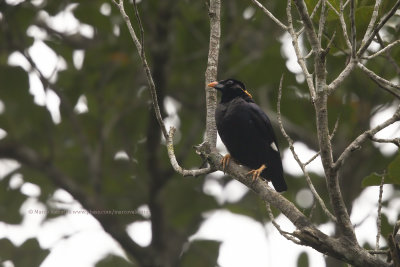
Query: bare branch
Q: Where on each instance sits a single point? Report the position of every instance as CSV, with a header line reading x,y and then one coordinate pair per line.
x,y
371,24
300,58
378,219
140,27
311,16
322,20
174,162
388,89
296,157
211,71
395,141
388,55
342,76
210,75
383,50
375,252
270,15
331,137
287,235
330,42
308,26
344,26
138,44
376,77
332,7
381,23
353,30
356,144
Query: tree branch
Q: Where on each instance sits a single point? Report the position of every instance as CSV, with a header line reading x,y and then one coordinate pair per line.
x,y
174,162
300,58
138,44
287,235
376,77
212,68
344,26
356,144
378,218
342,76
306,232
395,141
308,26
270,15
296,157
353,30
371,24
381,23
211,71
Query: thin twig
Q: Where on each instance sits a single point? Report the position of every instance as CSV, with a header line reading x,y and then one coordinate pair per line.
x,y
287,235
308,25
378,219
342,76
388,55
381,23
296,157
374,252
322,20
376,77
353,29
372,21
140,27
356,144
311,16
152,87
331,137
388,89
270,15
383,50
395,141
344,26
214,10
332,7
168,137
174,162
300,58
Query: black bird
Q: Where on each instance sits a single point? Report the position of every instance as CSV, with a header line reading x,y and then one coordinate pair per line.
x,y
247,133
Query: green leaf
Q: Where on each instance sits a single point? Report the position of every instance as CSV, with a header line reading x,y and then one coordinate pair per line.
x,y
392,176
28,254
201,253
11,201
112,260
375,179
302,260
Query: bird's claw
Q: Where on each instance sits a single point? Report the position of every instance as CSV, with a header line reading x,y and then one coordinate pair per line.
x,y
256,173
225,161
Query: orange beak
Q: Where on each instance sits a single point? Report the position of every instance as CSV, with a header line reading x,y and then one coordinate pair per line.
x,y
213,84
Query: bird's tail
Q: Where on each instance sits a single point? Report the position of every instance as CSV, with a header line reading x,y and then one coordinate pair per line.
x,y
275,174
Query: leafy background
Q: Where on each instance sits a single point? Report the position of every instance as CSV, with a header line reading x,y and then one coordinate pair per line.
x,y
118,119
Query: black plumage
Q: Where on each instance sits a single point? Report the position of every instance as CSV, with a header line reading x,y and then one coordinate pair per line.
x,y
247,133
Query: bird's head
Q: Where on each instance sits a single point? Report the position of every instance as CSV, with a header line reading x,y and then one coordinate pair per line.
x,y
231,89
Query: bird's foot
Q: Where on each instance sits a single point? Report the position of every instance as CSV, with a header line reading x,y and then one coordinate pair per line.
x,y
225,161
256,173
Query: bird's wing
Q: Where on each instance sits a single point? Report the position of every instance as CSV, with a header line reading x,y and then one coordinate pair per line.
x,y
263,124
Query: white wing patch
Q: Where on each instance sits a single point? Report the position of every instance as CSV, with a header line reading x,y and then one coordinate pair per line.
x,y
274,147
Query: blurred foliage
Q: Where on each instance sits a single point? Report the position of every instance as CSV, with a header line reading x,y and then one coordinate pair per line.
x,y
120,118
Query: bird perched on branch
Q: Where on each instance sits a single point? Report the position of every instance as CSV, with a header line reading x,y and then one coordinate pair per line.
x,y
247,133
